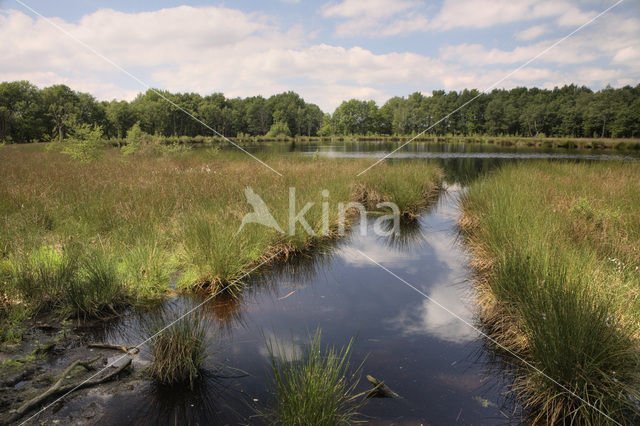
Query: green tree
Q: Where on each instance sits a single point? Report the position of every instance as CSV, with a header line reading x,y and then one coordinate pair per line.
x,y
120,117
279,127
21,115
61,106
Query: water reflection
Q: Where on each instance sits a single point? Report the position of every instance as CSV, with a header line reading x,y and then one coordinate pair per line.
x,y
432,319
213,400
286,346
409,236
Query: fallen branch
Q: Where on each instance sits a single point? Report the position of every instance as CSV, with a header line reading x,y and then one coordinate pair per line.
x,y
125,349
57,389
380,390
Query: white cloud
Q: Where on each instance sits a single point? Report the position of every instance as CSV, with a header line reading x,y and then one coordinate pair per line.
x,y
532,33
477,54
629,54
376,18
487,13
612,40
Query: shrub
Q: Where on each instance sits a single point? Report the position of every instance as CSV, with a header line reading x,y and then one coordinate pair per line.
x,y
134,140
85,143
279,129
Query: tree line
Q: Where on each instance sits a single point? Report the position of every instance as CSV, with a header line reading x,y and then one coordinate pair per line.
x,y
28,113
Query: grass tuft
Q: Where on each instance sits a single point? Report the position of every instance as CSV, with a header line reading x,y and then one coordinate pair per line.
x,y
316,386
179,350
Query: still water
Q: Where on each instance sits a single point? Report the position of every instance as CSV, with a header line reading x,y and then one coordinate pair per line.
x,y
421,341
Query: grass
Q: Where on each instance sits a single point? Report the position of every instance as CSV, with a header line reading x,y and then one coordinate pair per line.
x,y
557,251
81,238
314,387
61,280
179,350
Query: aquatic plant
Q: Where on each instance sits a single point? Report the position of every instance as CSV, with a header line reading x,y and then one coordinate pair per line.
x,y
96,289
178,345
66,281
40,277
316,386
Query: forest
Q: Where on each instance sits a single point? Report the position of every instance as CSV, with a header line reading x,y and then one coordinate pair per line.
x,y
31,114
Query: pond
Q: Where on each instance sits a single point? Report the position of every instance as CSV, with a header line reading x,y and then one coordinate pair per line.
x,y
407,301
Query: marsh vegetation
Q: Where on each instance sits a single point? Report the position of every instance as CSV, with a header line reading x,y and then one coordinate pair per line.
x,y
315,385
557,250
81,238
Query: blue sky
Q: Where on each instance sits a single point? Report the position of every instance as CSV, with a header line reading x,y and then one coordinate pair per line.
x,y
325,50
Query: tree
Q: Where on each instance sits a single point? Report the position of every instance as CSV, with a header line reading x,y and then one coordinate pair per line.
x,y
352,117
258,118
134,140
21,115
120,117
30,114
61,105
312,119
279,127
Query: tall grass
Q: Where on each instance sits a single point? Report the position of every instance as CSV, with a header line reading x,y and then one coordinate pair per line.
x,y
40,277
96,289
556,247
154,215
315,387
71,283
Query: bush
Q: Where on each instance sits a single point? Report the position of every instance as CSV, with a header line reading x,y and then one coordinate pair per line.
x,y
279,129
85,143
134,140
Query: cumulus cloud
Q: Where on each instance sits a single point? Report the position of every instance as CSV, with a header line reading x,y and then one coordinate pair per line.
x,y
609,46
532,33
376,18
201,49
487,13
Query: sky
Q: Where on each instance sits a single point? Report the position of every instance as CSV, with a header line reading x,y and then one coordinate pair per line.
x,y
327,51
